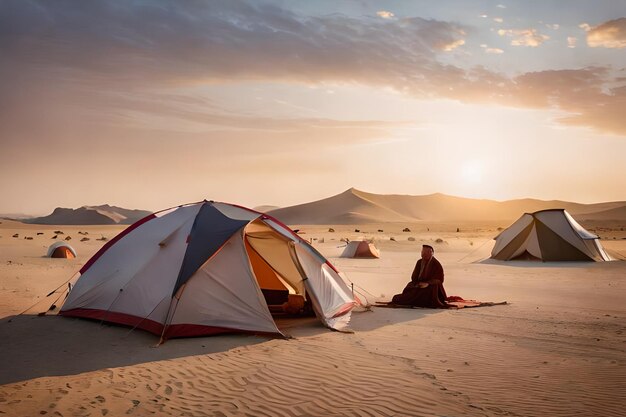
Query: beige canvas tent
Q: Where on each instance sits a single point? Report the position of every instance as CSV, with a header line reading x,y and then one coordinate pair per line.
x,y
548,235
360,249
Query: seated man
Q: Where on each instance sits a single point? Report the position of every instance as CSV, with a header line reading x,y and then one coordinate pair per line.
x,y
426,286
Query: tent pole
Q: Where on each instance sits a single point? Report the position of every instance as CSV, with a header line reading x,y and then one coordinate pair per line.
x,y
145,317
168,318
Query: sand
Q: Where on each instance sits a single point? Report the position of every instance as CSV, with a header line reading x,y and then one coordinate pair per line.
x,y
557,349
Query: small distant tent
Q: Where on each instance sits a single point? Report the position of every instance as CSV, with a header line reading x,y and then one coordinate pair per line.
x,y
61,250
360,249
548,235
206,268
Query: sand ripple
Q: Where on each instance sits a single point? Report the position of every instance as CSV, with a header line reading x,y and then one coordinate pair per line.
x,y
327,375
563,367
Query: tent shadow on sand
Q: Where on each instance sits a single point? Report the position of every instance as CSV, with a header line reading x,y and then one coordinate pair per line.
x,y
35,346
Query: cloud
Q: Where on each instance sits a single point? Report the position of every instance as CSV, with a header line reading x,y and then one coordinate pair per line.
x,y
489,50
611,34
452,45
385,14
524,37
107,66
154,116
593,96
554,26
498,19
571,41
150,42
501,6
123,62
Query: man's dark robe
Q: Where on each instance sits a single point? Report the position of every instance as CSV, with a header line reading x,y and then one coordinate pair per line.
x,y
433,296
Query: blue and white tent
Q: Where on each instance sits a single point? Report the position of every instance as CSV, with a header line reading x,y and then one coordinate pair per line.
x,y
203,268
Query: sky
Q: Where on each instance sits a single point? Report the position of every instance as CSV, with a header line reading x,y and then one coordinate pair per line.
x,y
152,104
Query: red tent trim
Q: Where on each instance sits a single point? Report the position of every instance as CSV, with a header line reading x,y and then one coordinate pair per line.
x,y
172,331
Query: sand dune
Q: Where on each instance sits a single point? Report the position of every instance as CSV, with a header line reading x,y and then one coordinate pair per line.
x,y
265,208
616,214
349,207
325,375
357,207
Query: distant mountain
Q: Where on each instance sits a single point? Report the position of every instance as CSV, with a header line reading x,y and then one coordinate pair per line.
x,y
104,214
15,216
356,207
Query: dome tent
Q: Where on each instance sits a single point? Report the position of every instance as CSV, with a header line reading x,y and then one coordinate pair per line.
x,y
360,249
548,235
61,250
201,269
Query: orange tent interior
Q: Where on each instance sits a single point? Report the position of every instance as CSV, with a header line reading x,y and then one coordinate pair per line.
x,y
272,287
62,252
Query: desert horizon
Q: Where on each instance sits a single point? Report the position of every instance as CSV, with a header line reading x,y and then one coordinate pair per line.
x,y
267,206
354,206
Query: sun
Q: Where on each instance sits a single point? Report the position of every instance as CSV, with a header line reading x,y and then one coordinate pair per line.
x,y
472,172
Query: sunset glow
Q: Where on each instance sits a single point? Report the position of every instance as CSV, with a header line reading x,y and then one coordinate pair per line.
x,y
149,105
